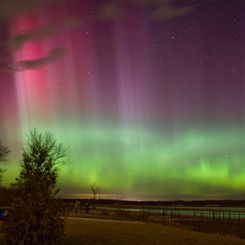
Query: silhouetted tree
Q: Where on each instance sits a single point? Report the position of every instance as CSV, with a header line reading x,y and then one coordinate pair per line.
x,y
6,195
35,216
95,190
3,154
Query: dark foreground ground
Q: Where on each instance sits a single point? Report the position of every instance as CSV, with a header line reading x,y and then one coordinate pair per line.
x,y
82,231
93,231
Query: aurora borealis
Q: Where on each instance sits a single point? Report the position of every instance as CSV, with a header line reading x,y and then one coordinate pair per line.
x,y
147,96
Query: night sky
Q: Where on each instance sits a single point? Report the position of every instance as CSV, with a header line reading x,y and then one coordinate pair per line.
x,y
147,95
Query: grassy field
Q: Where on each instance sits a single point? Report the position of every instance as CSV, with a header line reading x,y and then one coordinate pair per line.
x,y
195,223
106,232
82,231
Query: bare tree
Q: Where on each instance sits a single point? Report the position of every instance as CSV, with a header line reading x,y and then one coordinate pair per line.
x,y
93,189
96,190
35,216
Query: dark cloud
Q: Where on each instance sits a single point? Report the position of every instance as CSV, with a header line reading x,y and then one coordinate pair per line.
x,y
53,55
168,9
167,12
109,10
161,9
12,8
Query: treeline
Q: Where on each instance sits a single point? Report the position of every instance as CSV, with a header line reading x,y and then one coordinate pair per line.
x,y
193,203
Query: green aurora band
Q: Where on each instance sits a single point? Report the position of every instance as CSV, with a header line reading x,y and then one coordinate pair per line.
x,y
139,161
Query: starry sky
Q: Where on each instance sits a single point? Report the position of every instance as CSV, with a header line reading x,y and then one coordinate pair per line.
x,y
147,95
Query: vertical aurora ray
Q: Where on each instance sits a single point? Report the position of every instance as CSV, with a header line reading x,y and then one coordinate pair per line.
x,y
144,107
30,84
